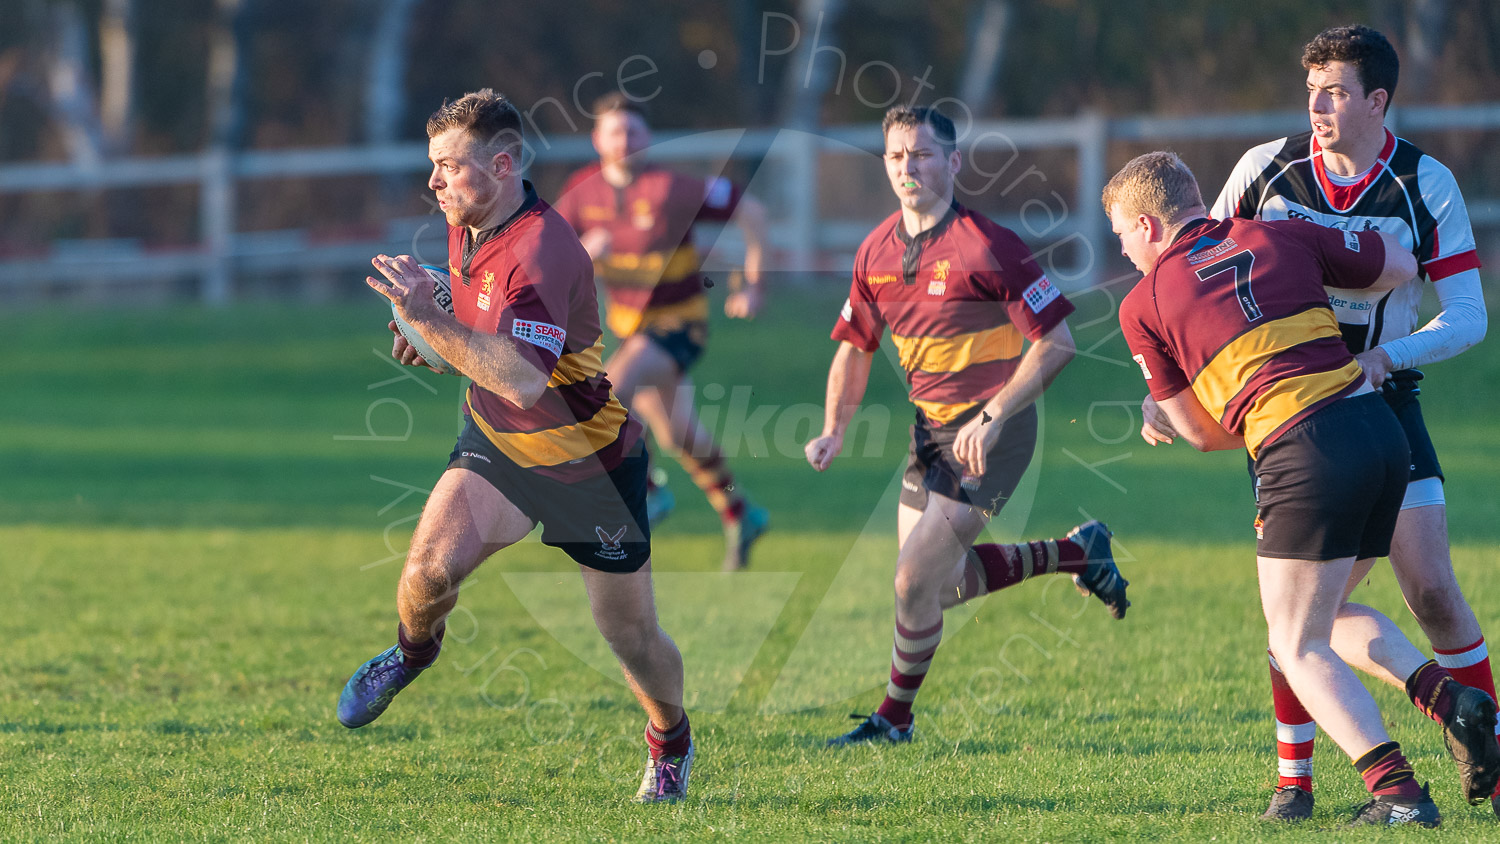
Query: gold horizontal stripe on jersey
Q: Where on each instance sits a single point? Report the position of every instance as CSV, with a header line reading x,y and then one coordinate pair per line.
x,y
957,353
648,269
563,444
625,321
578,366
1289,396
940,413
1233,367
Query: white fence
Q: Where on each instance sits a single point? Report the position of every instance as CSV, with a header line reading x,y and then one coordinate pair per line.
x,y
800,235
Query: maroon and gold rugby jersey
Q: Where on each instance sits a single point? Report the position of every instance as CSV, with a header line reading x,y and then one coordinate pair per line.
x,y
1236,311
531,280
958,298
651,274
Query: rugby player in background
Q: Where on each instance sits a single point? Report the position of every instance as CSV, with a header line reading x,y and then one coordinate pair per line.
x,y
959,293
636,220
1352,173
1232,330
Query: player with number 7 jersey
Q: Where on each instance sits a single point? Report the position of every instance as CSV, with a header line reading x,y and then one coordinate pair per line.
x,y
1236,311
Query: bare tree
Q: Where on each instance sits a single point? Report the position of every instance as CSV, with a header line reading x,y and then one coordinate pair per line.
x,y
809,78
985,53
1426,29
117,77
70,85
385,86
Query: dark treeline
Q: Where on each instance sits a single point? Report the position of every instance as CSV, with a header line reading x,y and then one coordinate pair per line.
x,y
276,73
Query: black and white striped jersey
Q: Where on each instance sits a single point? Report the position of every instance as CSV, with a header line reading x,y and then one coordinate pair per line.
x,y
1406,193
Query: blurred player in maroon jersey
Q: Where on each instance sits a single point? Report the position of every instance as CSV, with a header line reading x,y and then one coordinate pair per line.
x,y
636,220
1232,330
958,293
1350,172
546,439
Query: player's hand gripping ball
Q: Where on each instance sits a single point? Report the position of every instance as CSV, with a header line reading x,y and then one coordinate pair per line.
x,y
442,293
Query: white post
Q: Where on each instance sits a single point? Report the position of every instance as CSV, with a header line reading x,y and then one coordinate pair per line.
x,y
216,219
1093,152
802,199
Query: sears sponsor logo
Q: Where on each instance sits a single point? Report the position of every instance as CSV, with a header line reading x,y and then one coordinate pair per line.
x,y
847,312
1351,241
543,334
1145,370
1040,294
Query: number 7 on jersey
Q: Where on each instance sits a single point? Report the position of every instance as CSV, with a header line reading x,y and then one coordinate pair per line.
x,y
1240,264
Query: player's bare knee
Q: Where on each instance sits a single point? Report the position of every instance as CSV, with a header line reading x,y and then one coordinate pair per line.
x,y
1435,606
630,640
425,578
911,586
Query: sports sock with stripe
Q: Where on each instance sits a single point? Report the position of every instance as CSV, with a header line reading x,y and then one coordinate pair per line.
x,y
1430,687
1470,666
1295,730
911,656
991,568
671,742
1387,773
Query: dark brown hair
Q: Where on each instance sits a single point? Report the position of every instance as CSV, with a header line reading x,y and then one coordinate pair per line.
x,y
912,117
1373,57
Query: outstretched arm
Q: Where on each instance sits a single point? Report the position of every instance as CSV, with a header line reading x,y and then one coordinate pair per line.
x,y
746,302
847,378
1460,324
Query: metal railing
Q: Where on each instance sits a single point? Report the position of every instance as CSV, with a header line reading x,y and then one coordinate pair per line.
x,y
800,235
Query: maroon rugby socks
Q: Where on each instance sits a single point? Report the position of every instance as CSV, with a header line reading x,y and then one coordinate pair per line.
x,y
911,656
1006,565
1430,687
672,742
1387,773
419,654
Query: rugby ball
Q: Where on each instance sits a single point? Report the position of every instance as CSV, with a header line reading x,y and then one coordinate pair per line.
x,y
442,293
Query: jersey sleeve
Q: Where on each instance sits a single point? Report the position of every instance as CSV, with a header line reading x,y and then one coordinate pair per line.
x,y
534,313
1240,198
860,323
1032,302
1449,248
720,198
1350,260
1164,378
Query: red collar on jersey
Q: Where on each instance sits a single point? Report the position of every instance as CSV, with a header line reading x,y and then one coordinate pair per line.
x,y
1343,197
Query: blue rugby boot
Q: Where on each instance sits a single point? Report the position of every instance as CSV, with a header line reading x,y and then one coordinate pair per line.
x,y
1102,578
875,729
740,534
374,686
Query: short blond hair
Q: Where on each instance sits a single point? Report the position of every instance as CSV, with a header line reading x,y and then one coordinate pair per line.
x,y
1157,184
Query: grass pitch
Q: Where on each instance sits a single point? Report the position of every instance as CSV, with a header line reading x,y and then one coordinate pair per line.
x,y
204,513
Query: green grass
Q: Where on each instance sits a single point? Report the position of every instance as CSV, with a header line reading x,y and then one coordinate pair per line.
x,y
197,561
